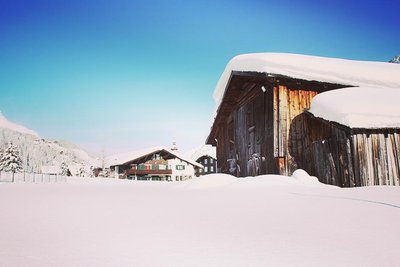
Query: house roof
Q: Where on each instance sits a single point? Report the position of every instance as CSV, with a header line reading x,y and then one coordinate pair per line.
x,y
203,150
312,68
126,158
359,107
50,169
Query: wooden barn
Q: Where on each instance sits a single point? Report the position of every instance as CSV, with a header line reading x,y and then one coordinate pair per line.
x,y
260,126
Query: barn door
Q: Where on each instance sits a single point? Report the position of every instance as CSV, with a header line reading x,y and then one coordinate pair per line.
x,y
253,165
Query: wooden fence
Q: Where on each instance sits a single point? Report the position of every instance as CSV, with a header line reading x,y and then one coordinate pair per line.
x,y
9,177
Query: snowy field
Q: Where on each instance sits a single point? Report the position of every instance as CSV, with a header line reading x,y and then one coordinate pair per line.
x,y
216,220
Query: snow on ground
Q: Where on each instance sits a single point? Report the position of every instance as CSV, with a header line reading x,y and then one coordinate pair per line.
x,y
215,220
359,107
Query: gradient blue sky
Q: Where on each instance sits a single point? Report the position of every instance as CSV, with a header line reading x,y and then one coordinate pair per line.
x,y
123,75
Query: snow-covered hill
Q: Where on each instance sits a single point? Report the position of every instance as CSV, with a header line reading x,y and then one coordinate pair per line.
x,y
4,123
36,152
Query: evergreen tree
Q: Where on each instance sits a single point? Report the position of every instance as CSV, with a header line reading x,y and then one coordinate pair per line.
x,y
82,171
106,172
10,160
64,171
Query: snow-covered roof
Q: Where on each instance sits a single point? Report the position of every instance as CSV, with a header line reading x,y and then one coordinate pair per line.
x,y
50,169
203,150
4,123
359,107
124,158
312,68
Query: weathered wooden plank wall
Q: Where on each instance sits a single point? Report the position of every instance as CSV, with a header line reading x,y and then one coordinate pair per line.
x,y
376,157
250,133
245,141
341,156
290,103
261,125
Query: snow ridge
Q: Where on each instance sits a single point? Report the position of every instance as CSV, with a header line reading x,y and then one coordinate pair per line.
x,y
4,123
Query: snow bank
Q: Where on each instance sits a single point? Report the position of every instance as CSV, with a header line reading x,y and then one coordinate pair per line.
x,y
211,181
359,107
333,70
217,180
4,123
304,178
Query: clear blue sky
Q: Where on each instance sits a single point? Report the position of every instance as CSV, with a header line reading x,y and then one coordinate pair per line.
x,y
123,75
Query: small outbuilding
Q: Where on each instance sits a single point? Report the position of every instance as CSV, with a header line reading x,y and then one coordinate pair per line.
x,y
206,156
351,137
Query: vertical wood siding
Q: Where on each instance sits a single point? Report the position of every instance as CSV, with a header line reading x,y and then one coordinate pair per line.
x,y
344,157
290,103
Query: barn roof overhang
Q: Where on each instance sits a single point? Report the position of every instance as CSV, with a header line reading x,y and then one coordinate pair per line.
x,y
354,130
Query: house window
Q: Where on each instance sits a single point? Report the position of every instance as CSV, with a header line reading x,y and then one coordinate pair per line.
x,y
180,167
211,169
206,169
211,161
205,161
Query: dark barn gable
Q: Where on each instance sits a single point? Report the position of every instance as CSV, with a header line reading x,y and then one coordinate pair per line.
x,y
252,126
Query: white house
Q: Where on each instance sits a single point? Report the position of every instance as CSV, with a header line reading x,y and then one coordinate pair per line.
x,y
155,164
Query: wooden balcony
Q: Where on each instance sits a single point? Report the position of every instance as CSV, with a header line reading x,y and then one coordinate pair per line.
x,y
149,172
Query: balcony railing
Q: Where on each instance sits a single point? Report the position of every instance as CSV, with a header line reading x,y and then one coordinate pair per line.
x,y
149,172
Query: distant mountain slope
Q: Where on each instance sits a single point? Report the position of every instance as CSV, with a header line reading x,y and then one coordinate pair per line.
x,y
4,123
36,152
